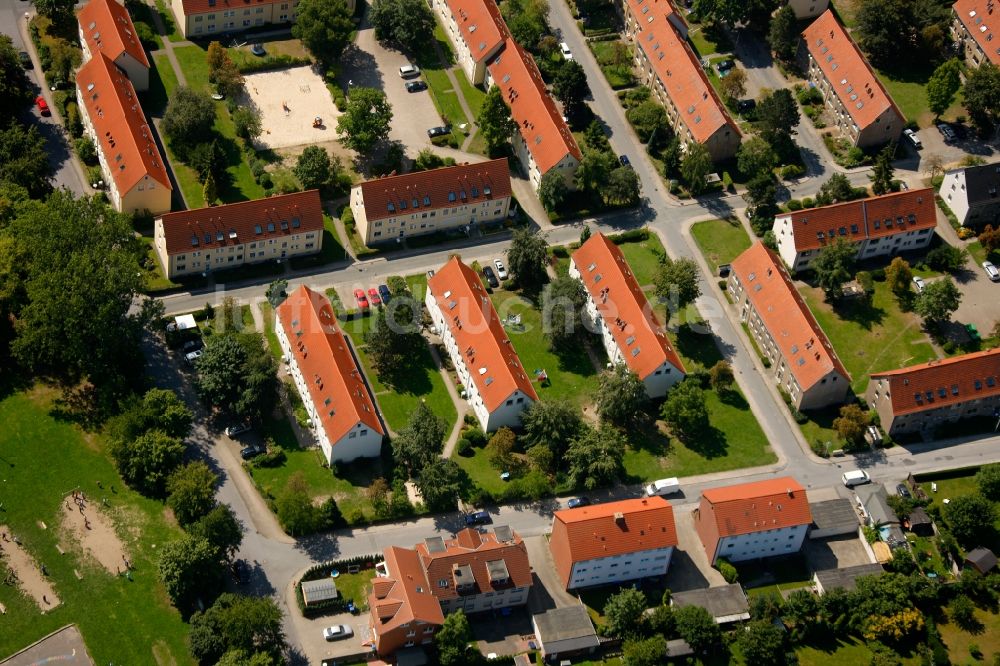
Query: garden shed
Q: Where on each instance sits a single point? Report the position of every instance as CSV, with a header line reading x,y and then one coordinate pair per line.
x,y
315,591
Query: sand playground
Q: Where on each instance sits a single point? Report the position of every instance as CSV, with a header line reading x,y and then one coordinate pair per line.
x,y
87,526
24,572
290,100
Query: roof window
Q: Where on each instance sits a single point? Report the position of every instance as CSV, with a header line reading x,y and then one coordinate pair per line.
x,y
597,278
630,339
802,360
427,201
208,238
942,393
232,233
475,191
990,382
451,196
194,241
635,352
415,203
978,384
270,227
954,389
219,236
257,229
391,206
854,228
918,397
402,205
296,223
487,190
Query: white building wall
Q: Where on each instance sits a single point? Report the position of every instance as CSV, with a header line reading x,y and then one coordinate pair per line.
x,y
630,566
955,195
767,543
477,603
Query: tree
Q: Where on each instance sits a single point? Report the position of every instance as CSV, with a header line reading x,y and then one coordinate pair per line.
x,y
648,652
207,159
441,482
762,202
526,20
938,301
427,159
778,112
884,27
527,258
898,276
501,448
404,22
452,639
570,86
552,423
756,157
835,190
15,90
378,493
933,165
732,12
970,518
191,491
189,570
989,238
189,117
988,481
146,461
389,344
676,282
721,376
595,138
223,72
60,11
221,529
697,626
247,123
834,266
420,441
734,84
237,375
620,395
943,85
295,509
237,622
851,424
650,122
210,191
882,171
494,120
277,292
366,121
595,458
242,658
685,411
623,612
695,167
594,171
563,301
946,258
981,94
552,190
325,27
762,643
783,34
962,612
24,157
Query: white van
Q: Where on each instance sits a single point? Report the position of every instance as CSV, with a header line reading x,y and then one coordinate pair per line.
x,y
858,477
663,487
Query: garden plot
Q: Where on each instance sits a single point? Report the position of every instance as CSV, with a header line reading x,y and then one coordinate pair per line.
x,y
289,101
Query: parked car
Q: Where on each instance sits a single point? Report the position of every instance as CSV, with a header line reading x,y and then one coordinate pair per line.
x,y
384,293
191,357
663,487
501,269
373,296
725,270
248,452
577,502
491,277
43,106
359,296
913,138
946,131
234,430
918,283
337,631
746,105
415,86
440,130
626,162
192,345
903,491
478,518
258,50
409,71
564,49
856,477
991,271
25,60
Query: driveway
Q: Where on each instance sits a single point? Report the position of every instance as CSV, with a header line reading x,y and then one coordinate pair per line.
x,y
317,648
689,567
980,298
547,591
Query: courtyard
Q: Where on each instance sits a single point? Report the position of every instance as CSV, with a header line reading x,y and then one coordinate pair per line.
x,y
289,100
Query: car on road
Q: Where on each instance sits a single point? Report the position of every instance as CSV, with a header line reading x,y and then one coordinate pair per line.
x,y
857,477
491,277
192,345
625,161
991,271
913,138
415,86
234,430
564,49
337,631
409,71
248,452
384,292
25,60
359,296
501,269
258,50
43,106
440,130
577,502
373,296
903,491
478,518
946,131
918,283
191,357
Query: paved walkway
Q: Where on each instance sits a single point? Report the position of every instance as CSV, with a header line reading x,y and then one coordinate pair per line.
x,y
168,46
461,406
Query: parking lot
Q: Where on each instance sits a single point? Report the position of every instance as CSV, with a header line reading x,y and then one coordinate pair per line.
x,y
317,648
950,152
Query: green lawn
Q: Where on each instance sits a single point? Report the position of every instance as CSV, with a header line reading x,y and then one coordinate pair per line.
x,y
473,96
958,640
105,607
909,90
481,472
154,279
331,251
764,576
644,258
173,34
850,651
162,82
980,255
194,63
141,12
272,339
615,63
708,39
445,97
720,241
354,587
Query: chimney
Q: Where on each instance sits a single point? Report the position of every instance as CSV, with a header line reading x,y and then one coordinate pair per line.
x,y
620,519
789,491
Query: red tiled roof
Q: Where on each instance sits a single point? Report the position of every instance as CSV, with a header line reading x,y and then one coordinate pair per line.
x,y
795,331
867,218
475,549
123,135
211,6
593,532
463,184
404,596
851,77
237,223
982,20
624,307
482,27
336,387
479,334
960,378
546,134
108,29
679,70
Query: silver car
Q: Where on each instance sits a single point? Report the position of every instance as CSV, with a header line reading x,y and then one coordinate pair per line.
x,y
501,269
337,631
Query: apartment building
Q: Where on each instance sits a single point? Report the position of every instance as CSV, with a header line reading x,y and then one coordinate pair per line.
x,y
975,25
749,521
803,361
923,397
805,9
880,226
859,104
497,387
402,610
477,31
971,194
613,542
423,202
106,27
326,374
248,232
210,18
130,162
618,311
669,67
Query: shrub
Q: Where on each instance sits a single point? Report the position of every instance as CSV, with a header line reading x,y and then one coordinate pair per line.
x,y
73,122
799,417
728,571
727,181
463,447
560,251
790,171
794,204
866,281
85,149
275,457
469,418
878,275
476,437
347,217
808,202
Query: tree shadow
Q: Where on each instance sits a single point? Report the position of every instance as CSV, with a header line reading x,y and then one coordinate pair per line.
x,y
733,398
860,311
698,346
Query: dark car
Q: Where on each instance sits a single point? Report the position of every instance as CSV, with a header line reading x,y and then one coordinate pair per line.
x,y
249,452
478,518
384,293
903,491
725,270
440,130
625,160
746,105
491,277
192,345
25,60
726,65
578,502
415,86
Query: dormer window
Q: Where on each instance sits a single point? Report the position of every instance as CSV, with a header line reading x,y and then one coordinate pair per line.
x,y
284,225
194,241
391,206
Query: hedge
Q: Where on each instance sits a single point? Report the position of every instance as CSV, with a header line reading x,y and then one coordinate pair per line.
x,y
631,236
271,62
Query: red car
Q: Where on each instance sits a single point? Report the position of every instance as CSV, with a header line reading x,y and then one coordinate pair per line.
x,y
43,106
359,296
374,297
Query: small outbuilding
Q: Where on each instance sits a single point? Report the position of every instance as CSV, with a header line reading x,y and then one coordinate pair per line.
x,y
846,578
834,517
981,559
184,322
920,523
315,591
726,604
565,632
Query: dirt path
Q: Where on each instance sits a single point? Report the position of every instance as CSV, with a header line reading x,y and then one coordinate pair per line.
x,y
91,529
25,573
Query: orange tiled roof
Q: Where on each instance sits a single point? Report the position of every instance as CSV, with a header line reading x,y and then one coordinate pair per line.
x,y
795,331
211,6
868,218
481,25
404,596
242,222
546,134
847,70
624,307
108,29
475,549
982,20
479,334
336,387
592,532
122,131
463,184
944,382
679,70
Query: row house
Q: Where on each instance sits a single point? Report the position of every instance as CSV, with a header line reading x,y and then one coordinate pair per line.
x,y
750,521
214,238
859,103
211,18
804,362
618,311
477,31
669,67
923,397
974,27
424,202
497,387
879,226
106,27
613,542
972,194
329,381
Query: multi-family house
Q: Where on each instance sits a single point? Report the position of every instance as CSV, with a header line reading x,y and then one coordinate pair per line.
x,y
972,194
975,25
613,542
402,610
477,31
131,165
215,238
858,102
924,397
329,381
805,9
879,226
210,18
424,202
668,66
754,520
106,27
804,362
497,387
618,311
